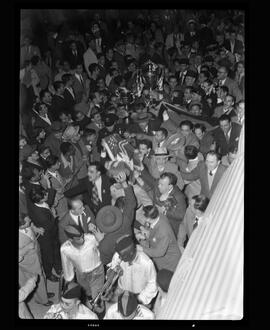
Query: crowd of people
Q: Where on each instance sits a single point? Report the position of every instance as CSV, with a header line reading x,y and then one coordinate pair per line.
x,y
113,230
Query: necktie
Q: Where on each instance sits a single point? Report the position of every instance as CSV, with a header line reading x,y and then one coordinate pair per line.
x,y
95,197
227,137
81,79
210,173
80,223
195,223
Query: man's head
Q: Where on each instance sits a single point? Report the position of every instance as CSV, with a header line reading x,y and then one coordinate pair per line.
x,y
186,127
225,123
67,149
93,69
212,160
200,204
96,118
196,109
76,206
222,73
73,46
199,130
94,171
166,182
222,92
38,195
75,234
126,248
45,96
206,85
240,109
190,78
188,93
79,68
191,152
42,109
203,76
59,87
145,146
229,101
31,173
44,151
161,134
151,212
172,82
53,163
70,299
232,153
67,79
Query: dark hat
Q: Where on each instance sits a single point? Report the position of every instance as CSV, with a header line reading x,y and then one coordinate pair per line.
x,y
123,242
110,119
191,73
208,58
73,231
109,219
72,291
164,277
142,117
127,303
56,126
199,91
183,61
154,125
26,151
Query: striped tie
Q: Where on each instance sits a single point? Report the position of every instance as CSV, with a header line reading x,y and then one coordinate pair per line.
x,y
95,197
195,223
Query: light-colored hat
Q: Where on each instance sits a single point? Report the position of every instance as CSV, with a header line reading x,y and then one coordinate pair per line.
x,y
161,152
70,132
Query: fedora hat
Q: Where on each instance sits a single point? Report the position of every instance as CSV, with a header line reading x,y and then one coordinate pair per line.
x,y
70,131
109,219
142,117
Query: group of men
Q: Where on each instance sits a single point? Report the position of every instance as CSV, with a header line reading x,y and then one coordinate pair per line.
x,y
112,227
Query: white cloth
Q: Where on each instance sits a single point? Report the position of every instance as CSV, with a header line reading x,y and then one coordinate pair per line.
x,y
44,205
89,57
163,197
139,277
98,185
159,303
84,259
83,313
143,313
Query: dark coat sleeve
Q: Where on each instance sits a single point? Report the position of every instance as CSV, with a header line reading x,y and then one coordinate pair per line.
x,y
193,175
178,211
129,209
77,190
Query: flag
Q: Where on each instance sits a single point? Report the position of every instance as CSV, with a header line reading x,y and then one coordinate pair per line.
x,y
117,147
178,114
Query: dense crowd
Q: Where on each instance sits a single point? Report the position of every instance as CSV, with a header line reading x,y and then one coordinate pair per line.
x,y
111,229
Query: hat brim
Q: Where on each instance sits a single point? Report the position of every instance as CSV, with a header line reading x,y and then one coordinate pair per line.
x,y
77,128
142,120
101,215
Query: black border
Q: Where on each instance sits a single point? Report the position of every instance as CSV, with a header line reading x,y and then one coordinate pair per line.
x,y
249,8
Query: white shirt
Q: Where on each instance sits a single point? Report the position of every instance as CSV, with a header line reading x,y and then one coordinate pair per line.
x,y
46,118
222,82
44,205
98,185
84,259
79,77
159,303
139,277
71,92
143,313
154,223
89,57
56,312
56,175
165,196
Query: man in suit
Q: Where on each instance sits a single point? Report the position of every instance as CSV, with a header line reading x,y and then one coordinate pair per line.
x,y
227,134
209,172
96,121
28,50
234,45
80,83
224,80
58,100
53,141
41,118
74,55
192,219
69,94
90,55
79,215
158,241
42,216
167,196
97,187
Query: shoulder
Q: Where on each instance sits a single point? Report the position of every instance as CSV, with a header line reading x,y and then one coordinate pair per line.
x,y
66,218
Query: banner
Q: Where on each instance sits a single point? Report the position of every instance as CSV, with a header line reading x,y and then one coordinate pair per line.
x,y
117,147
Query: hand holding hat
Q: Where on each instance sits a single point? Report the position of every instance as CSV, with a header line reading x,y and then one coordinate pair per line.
x,y
98,234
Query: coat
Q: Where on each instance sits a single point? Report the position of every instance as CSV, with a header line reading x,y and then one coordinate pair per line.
x,y
70,101
58,105
68,220
79,88
220,139
162,246
54,144
85,186
200,172
234,90
237,49
107,245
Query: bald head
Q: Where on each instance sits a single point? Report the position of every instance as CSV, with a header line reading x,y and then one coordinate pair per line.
x,y
76,206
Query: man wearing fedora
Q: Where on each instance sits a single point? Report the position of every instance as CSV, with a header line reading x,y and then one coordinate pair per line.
x,y
80,256
116,221
54,140
95,187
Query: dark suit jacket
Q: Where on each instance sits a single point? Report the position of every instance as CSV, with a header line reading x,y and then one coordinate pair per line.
x,y
68,220
177,209
238,46
220,139
107,245
54,144
70,101
200,172
72,59
85,186
162,246
58,105
38,122
79,88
